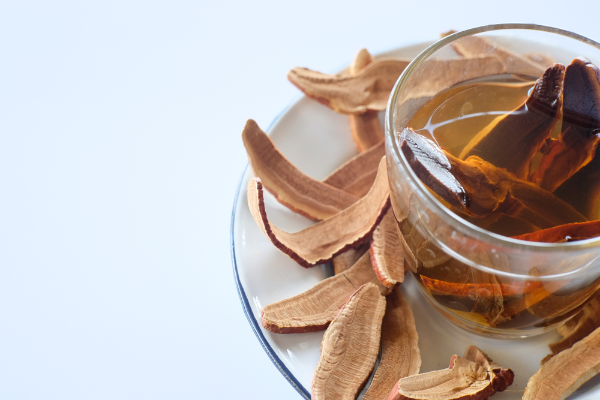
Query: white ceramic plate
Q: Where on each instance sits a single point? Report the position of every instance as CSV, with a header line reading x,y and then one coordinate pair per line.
x,y
317,140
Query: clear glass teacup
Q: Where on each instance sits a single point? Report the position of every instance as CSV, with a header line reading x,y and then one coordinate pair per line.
x,y
481,280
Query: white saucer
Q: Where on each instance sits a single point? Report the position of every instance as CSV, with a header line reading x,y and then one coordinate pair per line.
x,y
318,140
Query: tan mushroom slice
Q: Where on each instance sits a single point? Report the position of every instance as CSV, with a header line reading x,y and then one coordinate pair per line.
x,y
366,129
347,259
567,371
350,347
463,380
306,196
400,355
512,140
314,309
387,255
474,46
587,321
501,378
357,175
321,242
371,88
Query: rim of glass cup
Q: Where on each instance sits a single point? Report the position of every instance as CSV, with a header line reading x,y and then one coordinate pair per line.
x,y
435,205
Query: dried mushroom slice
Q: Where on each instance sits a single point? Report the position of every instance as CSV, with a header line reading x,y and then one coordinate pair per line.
x,y
368,90
564,233
576,145
366,129
567,371
512,140
314,309
321,242
347,259
356,176
501,378
350,347
300,193
587,321
400,354
387,255
463,380
474,46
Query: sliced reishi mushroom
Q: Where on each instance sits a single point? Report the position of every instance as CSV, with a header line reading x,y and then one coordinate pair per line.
x,y
314,309
387,255
400,354
321,242
576,145
512,140
350,346
371,88
356,176
501,378
347,259
564,373
564,233
306,196
366,129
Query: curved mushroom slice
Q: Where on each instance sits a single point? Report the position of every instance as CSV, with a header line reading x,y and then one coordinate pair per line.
x,y
366,129
400,355
564,233
357,175
501,378
565,372
587,321
576,145
350,347
314,309
512,140
474,46
371,88
347,259
306,196
464,379
321,242
387,255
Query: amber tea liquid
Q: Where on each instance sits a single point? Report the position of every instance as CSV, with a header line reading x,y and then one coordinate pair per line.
x,y
452,119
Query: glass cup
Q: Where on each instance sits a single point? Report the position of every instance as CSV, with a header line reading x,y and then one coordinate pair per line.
x,y
484,282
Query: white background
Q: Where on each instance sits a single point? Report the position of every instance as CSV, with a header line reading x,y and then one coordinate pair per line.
x,y
120,153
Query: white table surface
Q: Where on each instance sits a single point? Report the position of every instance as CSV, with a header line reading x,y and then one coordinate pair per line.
x,y
120,153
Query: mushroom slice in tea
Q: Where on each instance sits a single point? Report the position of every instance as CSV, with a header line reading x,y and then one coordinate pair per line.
x,y
299,192
387,255
366,129
321,242
314,309
350,347
567,371
400,355
356,176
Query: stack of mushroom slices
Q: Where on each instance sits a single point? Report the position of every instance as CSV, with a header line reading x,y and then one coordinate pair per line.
x,y
361,306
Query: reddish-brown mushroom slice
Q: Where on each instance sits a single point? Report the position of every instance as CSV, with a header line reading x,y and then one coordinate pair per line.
x,y
576,145
371,88
366,129
314,309
463,380
567,371
564,233
400,355
478,188
321,242
306,196
347,259
350,347
357,175
512,140
501,378
474,46
387,255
